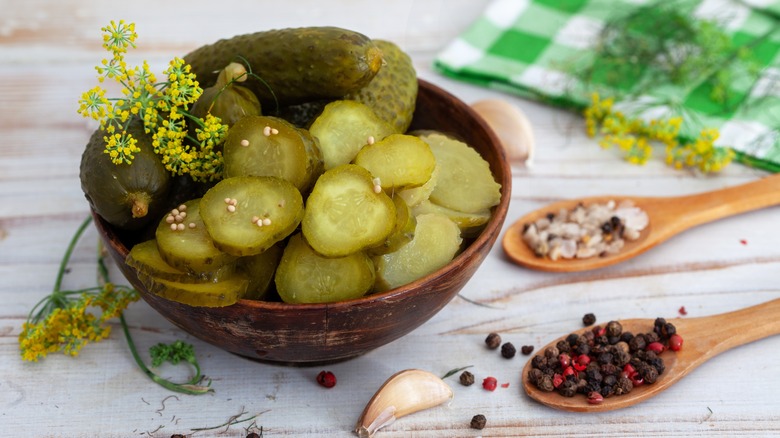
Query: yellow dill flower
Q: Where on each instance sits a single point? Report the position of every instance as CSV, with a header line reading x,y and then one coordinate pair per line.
x,y
117,37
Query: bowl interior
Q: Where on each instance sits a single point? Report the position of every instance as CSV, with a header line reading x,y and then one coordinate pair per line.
x,y
315,333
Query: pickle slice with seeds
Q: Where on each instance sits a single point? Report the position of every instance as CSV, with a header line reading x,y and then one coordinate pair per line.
x,y
189,247
343,128
399,161
416,195
145,257
345,214
436,241
269,146
465,182
304,276
219,294
246,215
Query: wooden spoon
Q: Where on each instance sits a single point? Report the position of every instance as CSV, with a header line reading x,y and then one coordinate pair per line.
x,y
668,216
704,338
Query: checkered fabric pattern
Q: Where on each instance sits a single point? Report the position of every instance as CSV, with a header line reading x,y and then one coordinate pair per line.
x,y
524,46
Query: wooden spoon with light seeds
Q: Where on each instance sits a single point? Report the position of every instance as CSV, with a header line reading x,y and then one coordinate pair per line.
x,y
704,338
667,217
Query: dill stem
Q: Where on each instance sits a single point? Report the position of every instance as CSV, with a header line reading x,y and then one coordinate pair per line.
x,y
176,387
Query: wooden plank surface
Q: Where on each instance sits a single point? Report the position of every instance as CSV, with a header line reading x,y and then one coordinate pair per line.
x,y
48,49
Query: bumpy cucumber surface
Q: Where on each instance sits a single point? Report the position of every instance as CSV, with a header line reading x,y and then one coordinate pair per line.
x,y
297,64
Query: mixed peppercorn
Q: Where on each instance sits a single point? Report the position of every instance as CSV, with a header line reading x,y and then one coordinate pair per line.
x,y
604,361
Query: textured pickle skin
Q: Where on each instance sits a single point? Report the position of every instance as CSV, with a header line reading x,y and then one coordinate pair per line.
x,y
112,190
392,93
298,64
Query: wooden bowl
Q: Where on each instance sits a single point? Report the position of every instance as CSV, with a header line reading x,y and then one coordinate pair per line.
x,y
315,333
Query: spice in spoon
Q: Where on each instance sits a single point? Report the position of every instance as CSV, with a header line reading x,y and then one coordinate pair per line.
x,y
604,361
598,229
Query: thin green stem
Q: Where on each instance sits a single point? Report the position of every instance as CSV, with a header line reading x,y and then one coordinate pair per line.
x,y
188,388
69,251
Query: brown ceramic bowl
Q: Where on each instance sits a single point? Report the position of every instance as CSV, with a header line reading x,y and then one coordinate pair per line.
x,y
312,333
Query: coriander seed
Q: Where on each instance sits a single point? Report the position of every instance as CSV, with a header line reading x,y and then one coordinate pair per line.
x,y
493,341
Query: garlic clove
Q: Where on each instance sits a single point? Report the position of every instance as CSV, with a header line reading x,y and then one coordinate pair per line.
x,y
510,125
404,393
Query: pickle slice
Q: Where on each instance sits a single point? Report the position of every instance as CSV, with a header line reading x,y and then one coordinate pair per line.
x,y
402,232
470,224
465,182
304,276
185,244
145,257
270,146
343,128
344,213
399,161
260,270
416,195
220,294
246,215
436,241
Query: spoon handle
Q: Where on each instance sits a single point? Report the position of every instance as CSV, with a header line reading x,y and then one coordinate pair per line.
x,y
712,335
717,204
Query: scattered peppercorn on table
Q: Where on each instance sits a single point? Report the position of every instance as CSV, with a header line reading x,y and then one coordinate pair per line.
x,y
48,52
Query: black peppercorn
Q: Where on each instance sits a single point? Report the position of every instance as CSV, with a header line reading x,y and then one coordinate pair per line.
x,y
572,339
623,386
608,369
620,357
614,329
467,379
534,375
651,337
545,383
606,227
478,422
527,349
508,350
593,375
607,390
551,353
637,343
605,358
649,374
493,340
626,337
610,380
539,362
568,388
563,346
588,319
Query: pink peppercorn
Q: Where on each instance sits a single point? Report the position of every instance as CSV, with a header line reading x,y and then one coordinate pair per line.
x,y
581,362
655,347
490,383
564,359
675,342
595,398
326,379
557,380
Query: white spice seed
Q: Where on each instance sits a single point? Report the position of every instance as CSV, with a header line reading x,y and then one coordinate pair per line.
x,y
244,142
267,131
266,221
173,227
274,131
180,227
170,219
371,139
182,207
231,208
192,225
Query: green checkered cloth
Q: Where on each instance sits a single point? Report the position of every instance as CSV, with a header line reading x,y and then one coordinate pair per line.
x,y
531,47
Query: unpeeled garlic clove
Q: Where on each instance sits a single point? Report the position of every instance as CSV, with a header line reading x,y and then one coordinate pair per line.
x,y
404,393
510,125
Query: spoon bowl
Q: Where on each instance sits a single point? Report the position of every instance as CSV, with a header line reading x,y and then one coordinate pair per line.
x,y
668,216
704,338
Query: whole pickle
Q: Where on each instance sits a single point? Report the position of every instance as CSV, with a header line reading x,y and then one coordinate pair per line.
x,y
226,99
296,64
128,196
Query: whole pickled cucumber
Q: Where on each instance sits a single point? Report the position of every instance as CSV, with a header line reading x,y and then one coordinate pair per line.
x,y
226,99
297,64
392,94
126,196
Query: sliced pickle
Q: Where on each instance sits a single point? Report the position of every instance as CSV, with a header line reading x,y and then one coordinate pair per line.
x,y
185,244
465,182
343,128
345,214
145,257
436,241
470,224
208,294
260,271
417,195
304,276
402,232
399,161
246,215
270,146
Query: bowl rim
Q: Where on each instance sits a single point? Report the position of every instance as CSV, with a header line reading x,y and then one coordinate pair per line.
x,y
486,238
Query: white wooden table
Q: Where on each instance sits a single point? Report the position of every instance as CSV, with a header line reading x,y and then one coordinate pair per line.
x,y
47,50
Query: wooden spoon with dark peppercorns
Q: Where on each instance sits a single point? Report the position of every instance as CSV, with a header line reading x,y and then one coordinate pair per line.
x,y
704,338
668,216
